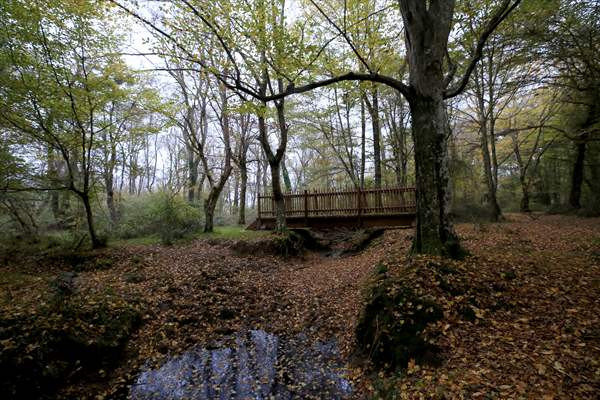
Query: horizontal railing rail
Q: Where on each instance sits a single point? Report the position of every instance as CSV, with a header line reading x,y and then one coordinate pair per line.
x,y
349,202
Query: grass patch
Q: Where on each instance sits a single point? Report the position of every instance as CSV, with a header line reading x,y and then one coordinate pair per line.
x,y
220,233
234,233
138,241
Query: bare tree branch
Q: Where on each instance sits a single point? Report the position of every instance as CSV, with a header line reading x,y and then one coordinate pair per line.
x,y
500,15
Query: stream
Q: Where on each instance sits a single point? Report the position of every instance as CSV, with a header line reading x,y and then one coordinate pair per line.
x,y
256,365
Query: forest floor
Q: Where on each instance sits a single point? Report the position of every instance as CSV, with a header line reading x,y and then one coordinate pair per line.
x,y
535,332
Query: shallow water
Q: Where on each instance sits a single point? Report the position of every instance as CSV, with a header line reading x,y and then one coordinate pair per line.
x,y
258,366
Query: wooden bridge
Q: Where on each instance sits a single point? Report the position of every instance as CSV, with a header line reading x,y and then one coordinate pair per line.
x,y
353,208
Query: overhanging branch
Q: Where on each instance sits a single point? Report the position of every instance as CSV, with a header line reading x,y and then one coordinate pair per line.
x,y
500,15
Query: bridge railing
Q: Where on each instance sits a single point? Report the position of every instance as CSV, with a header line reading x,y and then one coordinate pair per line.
x,y
350,202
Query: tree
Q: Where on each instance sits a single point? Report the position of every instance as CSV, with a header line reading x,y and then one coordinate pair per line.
x,y
127,118
397,119
531,140
427,26
243,140
570,48
60,85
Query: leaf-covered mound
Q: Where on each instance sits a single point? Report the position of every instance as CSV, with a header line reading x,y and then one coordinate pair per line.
x,y
520,315
289,244
63,339
408,306
392,328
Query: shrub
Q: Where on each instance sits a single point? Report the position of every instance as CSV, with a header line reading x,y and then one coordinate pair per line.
x,y
163,214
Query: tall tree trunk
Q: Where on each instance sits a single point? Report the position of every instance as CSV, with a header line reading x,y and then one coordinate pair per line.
x,y
577,174
524,207
492,200
286,176
376,125
243,187
217,187
200,192
110,198
109,183
236,191
210,204
259,185
85,198
54,194
427,28
192,174
485,114
274,164
280,223
363,139
376,139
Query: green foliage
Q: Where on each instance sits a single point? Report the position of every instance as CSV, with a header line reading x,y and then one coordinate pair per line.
x,y
163,214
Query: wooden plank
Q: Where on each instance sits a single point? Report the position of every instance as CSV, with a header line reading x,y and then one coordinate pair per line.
x,y
341,202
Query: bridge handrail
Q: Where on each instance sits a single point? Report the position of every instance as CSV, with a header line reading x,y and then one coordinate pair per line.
x,y
342,202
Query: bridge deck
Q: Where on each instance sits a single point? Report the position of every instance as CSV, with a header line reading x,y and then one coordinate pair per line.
x,y
393,206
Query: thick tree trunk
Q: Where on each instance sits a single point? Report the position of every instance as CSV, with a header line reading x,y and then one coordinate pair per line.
x,y
274,160
577,175
280,223
434,230
427,29
210,204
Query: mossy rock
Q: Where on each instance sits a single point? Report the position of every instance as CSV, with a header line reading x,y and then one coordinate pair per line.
x,y
391,327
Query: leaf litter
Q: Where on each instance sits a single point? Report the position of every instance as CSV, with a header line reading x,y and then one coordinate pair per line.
x,y
522,319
